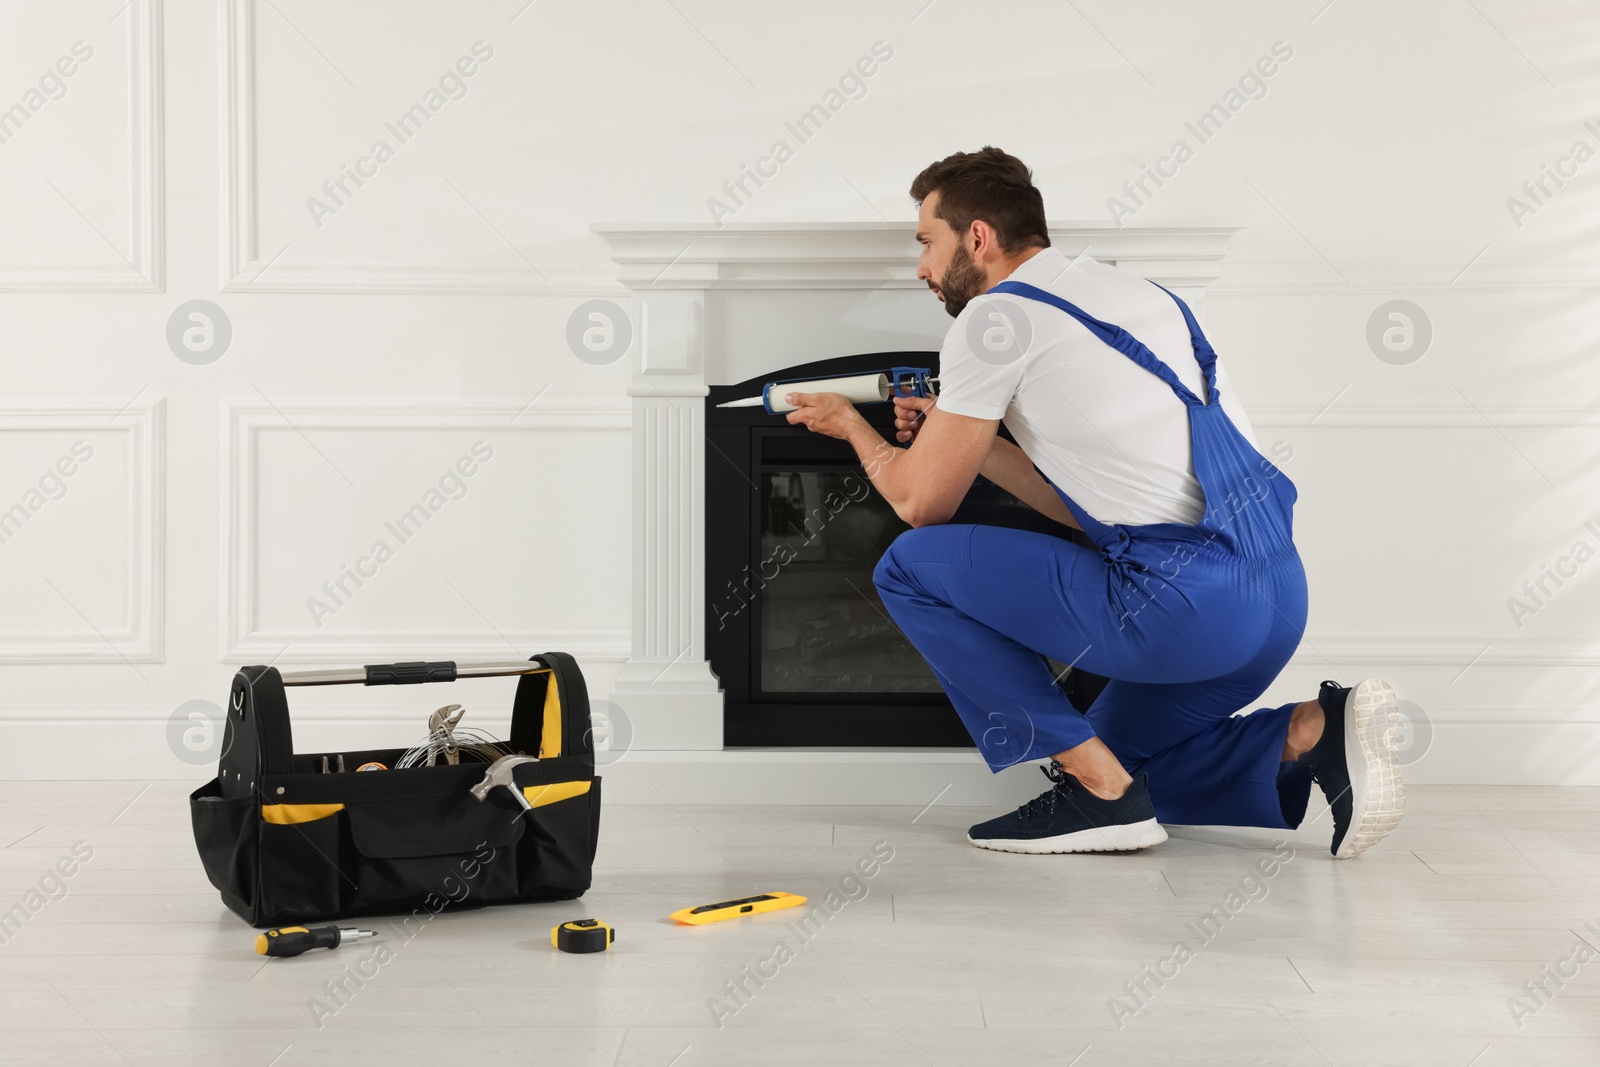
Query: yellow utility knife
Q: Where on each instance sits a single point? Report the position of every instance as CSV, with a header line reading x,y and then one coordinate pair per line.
x,y
732,909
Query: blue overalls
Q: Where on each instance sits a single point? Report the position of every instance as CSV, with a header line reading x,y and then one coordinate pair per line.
x,y
1191,623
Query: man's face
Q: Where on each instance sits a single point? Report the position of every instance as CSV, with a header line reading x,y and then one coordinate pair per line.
x,y
946,262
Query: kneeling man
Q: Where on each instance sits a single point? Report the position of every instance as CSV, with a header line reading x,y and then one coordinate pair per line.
x,y
1194,597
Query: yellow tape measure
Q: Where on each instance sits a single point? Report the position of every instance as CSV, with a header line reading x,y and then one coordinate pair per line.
x,y
733,909
582,935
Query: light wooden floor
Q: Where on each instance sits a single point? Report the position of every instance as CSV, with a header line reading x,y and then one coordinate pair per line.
x,y
1406,956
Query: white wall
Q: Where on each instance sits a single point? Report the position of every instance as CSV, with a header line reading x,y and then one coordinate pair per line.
x,y
371,351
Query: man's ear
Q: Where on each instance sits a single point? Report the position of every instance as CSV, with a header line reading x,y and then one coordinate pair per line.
x,y
983,239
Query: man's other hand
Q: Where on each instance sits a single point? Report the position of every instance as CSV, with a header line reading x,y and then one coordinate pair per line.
x,y
909,415
825,413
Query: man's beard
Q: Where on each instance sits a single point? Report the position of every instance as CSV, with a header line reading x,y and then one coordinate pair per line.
x,y
961,282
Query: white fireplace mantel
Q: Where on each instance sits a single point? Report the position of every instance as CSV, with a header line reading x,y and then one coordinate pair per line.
x,y
699,293
872,255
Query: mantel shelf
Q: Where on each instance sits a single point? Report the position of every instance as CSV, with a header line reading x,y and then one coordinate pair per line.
x,y
873,255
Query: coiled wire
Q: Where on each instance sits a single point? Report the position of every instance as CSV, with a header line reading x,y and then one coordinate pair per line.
x,y
468,744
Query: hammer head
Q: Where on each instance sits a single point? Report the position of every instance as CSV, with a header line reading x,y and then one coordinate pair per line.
x,y
499,774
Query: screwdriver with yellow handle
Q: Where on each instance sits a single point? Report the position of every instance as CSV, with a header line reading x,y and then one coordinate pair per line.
x,y
293,940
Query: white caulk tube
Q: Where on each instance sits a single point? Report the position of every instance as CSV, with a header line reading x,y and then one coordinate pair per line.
x,y
858,389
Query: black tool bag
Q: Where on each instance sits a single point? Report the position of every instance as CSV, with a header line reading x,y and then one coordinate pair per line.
x,y
287,843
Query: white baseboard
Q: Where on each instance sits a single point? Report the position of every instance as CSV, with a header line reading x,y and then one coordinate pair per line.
x,y
131,746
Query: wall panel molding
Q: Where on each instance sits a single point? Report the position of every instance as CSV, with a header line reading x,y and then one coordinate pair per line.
x,y
249,267
141,640
145,269
1314,277
1460,650
243,420
1477,648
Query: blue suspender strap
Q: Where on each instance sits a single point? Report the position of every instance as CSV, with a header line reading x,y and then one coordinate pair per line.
x,y
1129,345
1203,352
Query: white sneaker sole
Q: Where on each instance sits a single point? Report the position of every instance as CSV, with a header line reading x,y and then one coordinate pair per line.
x,y
1123,837
1372,755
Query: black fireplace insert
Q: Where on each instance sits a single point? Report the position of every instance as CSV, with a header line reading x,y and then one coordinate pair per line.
x,y
806,653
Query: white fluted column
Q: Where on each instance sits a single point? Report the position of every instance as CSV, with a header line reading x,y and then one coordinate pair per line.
x,y
666,687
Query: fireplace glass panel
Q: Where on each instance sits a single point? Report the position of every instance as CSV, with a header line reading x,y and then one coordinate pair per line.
x,y
824,628
802,645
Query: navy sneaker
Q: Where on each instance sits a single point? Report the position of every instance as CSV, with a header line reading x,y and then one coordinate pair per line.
x,y
1069,818
1356,763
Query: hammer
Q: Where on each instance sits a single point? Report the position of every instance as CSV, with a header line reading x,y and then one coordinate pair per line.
x,y
499,774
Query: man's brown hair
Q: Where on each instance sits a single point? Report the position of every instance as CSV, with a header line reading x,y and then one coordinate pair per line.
x,y
990,185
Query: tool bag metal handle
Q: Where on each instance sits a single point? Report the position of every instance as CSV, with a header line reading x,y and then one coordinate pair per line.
x,y
414,672
259,741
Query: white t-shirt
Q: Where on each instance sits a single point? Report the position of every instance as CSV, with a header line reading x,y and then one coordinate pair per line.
x,y
1111,434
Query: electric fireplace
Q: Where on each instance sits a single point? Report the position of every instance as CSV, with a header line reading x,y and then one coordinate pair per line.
x,y
804,649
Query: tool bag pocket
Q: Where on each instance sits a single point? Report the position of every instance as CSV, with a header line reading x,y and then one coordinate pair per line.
x,y
286,844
